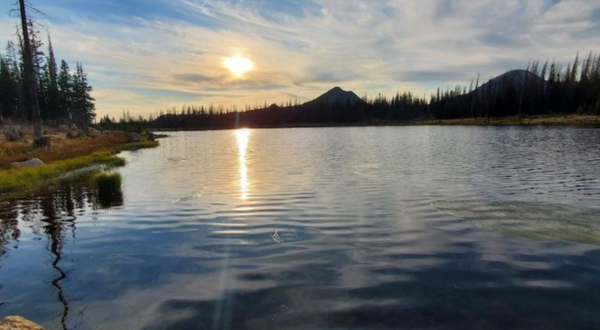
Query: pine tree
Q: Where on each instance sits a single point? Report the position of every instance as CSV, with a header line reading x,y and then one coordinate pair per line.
x,y
83,103
65,89
52,92
8,91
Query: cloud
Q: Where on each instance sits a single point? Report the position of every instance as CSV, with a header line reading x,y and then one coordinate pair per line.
x,y
171,52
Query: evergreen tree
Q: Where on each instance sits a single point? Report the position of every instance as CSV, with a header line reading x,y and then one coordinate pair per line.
x,y
83,103
65,88
52,92
8,91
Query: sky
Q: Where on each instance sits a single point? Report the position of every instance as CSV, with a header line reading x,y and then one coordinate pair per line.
x,y
143,56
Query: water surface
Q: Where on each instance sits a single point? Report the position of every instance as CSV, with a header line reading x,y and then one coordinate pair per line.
x,y
321,228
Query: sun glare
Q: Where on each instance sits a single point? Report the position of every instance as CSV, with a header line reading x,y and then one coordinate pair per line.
x,y
239,65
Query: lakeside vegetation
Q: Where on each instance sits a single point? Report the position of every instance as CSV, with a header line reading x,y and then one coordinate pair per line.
x,y
580,120
19,181
23,180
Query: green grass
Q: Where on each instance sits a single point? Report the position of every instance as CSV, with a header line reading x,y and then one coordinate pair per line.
x,y
15,182
107,182
109,189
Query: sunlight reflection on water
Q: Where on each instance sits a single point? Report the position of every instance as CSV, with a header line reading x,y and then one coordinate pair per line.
x,y
243,138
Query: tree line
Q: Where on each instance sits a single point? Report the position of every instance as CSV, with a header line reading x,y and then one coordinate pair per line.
x,y
402,107
62,92
540,89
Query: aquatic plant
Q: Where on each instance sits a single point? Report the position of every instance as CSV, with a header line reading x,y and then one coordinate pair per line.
x,y
109,188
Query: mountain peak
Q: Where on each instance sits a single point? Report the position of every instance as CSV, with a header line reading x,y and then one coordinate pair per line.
x,y
514,78
338,95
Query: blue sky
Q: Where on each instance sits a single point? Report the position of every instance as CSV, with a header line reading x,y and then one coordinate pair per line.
x,y
146,55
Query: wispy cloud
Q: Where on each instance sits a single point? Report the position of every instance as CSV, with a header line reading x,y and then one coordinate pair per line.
x,y
163,53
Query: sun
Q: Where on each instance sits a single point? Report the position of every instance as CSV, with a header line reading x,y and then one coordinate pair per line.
x,y
239,65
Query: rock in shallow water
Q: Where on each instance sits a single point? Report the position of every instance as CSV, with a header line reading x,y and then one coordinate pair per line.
x,y
18,323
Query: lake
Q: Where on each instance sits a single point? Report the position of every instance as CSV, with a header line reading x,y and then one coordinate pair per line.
x,y
321,228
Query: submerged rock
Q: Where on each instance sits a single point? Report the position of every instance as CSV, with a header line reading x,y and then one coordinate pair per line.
x,y
34,162
18,323
152,136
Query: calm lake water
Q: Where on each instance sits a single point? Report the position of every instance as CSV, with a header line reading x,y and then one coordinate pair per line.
x,y
321,228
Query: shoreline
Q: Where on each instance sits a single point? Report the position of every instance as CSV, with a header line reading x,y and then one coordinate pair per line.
x,y
557,120
19,182
570,120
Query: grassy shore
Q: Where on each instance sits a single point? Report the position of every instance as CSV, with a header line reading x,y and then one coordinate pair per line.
x,y
583,120
64,156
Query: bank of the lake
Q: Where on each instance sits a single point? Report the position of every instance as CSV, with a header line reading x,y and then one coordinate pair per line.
x,y
63,157
566,120
579,120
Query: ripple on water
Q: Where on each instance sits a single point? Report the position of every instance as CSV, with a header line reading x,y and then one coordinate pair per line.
x,y
538,221
333,228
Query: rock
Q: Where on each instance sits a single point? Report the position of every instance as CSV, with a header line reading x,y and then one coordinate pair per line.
x,y
93,132
152,136
134,138
64,128
18,323
34,162
73,134
13,134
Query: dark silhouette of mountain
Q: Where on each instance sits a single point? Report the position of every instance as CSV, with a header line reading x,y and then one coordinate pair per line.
x,y
512,79
337,95
335,106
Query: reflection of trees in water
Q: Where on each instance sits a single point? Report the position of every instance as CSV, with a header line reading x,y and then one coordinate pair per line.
x,y
58,214
9,229
53,213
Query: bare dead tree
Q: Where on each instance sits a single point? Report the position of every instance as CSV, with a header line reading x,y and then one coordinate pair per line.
x,y
29,79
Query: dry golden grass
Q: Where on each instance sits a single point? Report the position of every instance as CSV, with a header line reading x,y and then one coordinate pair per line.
x,y
15,182
61,148
63,156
